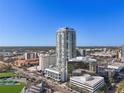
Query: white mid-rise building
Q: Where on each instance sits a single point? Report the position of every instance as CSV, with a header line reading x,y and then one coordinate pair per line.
x,y
87,83
46,60
30,55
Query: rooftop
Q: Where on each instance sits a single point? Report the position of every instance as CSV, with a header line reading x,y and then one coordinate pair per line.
x,y
116,65
46,55
65,29
87,79
86,59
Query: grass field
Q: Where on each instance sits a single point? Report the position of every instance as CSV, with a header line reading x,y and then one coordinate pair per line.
x,y
7,74
11,89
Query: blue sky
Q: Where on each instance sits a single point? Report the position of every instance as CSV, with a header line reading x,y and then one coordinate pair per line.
x,y
35,22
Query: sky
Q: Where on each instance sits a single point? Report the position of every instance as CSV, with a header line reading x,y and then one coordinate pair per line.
x,y
35,22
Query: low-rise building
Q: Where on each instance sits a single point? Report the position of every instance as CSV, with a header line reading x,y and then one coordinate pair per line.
x,y
116,66
54,73
105,72
22,62
84,63
6,54
87,83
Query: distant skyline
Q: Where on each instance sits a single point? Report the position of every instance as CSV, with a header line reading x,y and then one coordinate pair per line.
x,y
35,22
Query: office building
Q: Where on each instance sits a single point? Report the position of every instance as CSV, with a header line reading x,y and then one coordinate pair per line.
x,y
87,83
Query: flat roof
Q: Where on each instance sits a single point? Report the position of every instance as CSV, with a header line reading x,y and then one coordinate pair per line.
x,y
90,82
119,65
80,58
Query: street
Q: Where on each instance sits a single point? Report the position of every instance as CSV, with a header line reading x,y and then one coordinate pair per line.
x,y
53,85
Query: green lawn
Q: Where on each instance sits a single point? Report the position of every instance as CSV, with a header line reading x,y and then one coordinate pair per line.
x,y
11,88
7,74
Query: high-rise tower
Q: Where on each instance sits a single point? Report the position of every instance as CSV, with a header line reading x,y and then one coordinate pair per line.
x,y
65,50
65,46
